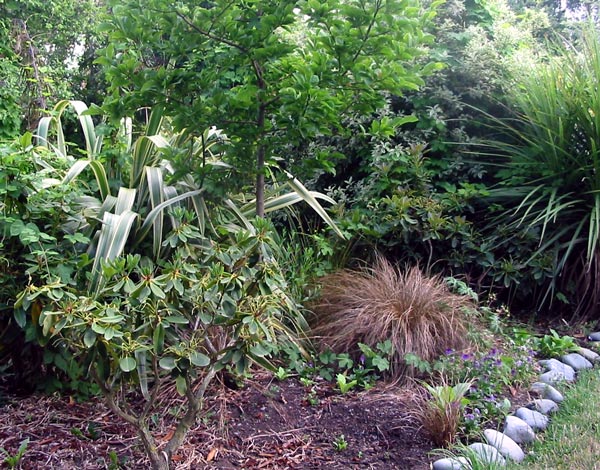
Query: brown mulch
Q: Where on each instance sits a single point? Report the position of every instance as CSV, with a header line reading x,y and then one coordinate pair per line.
x,y
265,425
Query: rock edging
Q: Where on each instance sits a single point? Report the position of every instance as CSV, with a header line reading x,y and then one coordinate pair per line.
x,y
520,429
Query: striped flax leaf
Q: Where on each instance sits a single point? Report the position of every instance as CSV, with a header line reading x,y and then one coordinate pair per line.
x,y
111,243
154,178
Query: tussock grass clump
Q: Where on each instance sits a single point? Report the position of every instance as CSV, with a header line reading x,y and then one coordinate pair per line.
x,y
416,312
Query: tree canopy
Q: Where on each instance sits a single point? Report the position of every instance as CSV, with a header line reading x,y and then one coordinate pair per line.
x,y
267,72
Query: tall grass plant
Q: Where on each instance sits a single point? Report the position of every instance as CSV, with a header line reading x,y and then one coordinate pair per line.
x,y
550,177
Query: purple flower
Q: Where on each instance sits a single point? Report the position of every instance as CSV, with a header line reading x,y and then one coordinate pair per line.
x,y
466,357
362,359
449,351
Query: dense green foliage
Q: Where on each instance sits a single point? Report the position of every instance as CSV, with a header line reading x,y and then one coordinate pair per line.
x,y
272,75
549,184
41,44
148,238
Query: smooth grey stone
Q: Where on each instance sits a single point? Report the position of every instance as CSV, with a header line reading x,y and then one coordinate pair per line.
x,y
594,336
535,419
547,391
449,463
589,354
576,361
488,454
505,445
554,365
518,430
552,377
544,406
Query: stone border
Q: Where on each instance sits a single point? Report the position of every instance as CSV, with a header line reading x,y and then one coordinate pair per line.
x,y
520,429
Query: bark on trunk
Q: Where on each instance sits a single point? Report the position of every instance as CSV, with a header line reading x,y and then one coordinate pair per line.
x,y
158,460
260,181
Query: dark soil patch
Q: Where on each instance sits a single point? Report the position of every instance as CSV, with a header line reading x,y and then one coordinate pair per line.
x,y
266,425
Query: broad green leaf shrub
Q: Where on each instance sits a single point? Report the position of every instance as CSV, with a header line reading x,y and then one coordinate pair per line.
x,y
555,345
416,192
35,248
211,304
405,208
175,284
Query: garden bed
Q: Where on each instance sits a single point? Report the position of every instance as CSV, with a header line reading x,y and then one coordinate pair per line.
x,y
265,425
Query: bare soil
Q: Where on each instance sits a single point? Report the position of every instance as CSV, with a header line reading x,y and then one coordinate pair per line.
x,y
266,424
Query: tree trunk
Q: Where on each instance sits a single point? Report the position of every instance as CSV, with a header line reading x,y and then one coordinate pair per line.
x,y
158,460
260,180
261,149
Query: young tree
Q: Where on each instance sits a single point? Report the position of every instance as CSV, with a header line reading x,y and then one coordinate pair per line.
x,y
267,72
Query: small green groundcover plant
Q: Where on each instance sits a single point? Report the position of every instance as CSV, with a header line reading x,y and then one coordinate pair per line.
x,y
555,345
475,385
340,443
348,373
13,460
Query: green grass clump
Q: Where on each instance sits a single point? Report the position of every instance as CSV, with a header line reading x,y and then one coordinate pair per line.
x,y
572,441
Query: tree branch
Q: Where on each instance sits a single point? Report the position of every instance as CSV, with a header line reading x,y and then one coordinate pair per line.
x,y
365,38
209,35
194,401
155,389
110,400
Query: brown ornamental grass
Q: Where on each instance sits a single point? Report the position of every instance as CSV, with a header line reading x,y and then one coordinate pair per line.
x,y
416,312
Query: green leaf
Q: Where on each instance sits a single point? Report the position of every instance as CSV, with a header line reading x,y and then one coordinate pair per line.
x,y
156,212
93,143
125,200
199,359
89,338
157,291
167,363
113,237
181,385
381,363
110,333
141,358
178,319
259,350
127,364
112,319
98,170
158,338
20,317
154,178
241,365
310,198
